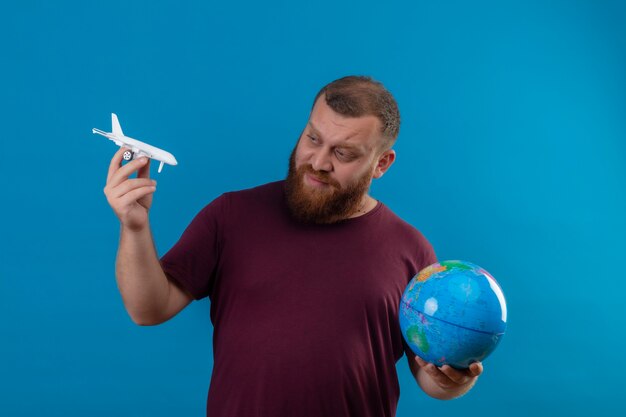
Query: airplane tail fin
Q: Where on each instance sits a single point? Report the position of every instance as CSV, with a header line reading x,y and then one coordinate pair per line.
x,y
117,129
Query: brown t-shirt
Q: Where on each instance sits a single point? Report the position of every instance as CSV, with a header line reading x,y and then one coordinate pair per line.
x,y
305,316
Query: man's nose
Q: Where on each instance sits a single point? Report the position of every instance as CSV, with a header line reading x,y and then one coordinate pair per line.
x,y
321,161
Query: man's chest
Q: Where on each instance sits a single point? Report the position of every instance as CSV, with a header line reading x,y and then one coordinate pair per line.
x,y
309,278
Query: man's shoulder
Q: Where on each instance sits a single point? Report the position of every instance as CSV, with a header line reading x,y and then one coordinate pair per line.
x,y
400,227
268,190
405,235
240,204
261,197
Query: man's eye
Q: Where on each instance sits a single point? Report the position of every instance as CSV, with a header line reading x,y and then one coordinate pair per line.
x,y
313,139
344,156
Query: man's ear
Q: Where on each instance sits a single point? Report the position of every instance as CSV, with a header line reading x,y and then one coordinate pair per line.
x,y
384,162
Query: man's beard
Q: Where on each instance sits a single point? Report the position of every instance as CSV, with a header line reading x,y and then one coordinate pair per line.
x,y
325,205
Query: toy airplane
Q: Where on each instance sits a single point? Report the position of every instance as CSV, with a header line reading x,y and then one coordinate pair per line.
x,y
137,148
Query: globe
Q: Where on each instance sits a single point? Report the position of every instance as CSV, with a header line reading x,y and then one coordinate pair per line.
x,y
454,313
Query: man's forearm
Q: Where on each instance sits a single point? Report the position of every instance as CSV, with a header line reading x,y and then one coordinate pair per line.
x,y
140,278
430,387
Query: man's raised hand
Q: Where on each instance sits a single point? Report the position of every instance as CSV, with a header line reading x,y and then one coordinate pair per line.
x,y
130,198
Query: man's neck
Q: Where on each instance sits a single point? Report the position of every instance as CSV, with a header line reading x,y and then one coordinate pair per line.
x,y
367,205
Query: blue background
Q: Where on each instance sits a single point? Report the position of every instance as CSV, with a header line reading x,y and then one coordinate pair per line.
x,y
511,155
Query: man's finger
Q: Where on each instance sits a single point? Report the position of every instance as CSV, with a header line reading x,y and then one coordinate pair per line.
x,y
454,374
475,369
144,171
124,172
116,162
129,185
436,374
134,195
421,362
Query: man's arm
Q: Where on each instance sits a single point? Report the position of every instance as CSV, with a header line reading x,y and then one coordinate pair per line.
x,y
149,296
444,383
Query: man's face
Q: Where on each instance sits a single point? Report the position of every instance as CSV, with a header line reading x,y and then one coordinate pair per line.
x,y
332,166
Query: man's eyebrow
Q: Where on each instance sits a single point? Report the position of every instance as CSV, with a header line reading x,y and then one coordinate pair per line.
x,y
345,146
313,127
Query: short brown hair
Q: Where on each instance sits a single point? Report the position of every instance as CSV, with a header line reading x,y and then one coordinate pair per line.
x,y
358,95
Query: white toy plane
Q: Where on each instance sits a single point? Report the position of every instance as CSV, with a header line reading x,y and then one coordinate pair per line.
x,y
137,148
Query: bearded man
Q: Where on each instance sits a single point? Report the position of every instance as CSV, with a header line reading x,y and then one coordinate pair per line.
x,y
304,275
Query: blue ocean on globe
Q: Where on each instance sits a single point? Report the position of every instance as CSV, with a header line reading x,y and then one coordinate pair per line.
x,y
454,313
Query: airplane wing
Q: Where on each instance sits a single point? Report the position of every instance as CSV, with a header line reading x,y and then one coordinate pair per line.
x,y
109,136
115,124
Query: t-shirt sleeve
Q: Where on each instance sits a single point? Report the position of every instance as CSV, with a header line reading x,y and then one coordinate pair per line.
x,y
424,253
192,262
428,255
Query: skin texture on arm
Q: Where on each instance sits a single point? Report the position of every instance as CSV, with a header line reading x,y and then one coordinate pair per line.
x,y
443,383
149,296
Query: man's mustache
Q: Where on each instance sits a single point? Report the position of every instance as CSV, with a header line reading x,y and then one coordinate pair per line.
x,y
320,175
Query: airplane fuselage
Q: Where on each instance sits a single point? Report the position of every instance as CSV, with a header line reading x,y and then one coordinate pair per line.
x,y
137,147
